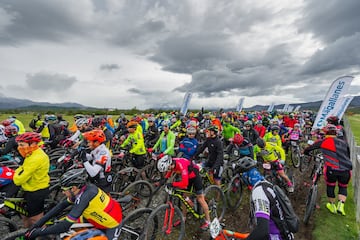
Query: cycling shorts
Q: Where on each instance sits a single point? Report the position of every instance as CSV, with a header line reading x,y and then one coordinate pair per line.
x,y
35,201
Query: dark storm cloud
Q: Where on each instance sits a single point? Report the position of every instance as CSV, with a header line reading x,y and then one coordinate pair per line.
x,y
330,20
342,54
109,67
39,20
50,81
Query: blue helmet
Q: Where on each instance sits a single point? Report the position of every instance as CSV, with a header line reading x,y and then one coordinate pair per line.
x,y
252,176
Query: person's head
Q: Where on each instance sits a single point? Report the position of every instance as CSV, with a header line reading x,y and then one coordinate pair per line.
x,y
213,131
250,174
82,124
330,129
238,139
6,122
131,126
11,131
27,143
248,124
78,116
98,122
94,138
261,143
275,129
333,120
164,164
166,125
151,121
72,181
191,132
297,126
259,123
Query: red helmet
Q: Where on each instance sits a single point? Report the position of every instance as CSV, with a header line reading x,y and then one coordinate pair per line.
x,y
95,135
29,137
238,139
333,120
6,122
11,130
330,129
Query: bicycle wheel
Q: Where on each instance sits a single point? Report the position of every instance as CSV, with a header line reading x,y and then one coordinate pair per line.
x,y
159,226
7,225
304,163
216,201
151,174
18,234
234,192
133,225
310,203
141,193
295,158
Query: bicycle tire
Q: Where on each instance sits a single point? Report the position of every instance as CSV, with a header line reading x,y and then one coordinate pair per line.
x,y
310,203
234,192
215,199
15,235
151,174
132,226
141,192
295,158
154,224
304,163
7,225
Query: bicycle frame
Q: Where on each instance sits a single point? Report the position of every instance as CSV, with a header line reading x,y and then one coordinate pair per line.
x,y
14,204
192,210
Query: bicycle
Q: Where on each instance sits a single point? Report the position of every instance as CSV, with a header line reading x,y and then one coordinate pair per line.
x,y
131,228
271,175
218,233
295,153
161,220
311,198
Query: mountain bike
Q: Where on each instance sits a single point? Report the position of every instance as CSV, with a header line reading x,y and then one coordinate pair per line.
x,y
160,224
218,233
312,195
295,153
271,175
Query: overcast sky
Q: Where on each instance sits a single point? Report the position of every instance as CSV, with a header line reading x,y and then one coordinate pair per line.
x,y
148,53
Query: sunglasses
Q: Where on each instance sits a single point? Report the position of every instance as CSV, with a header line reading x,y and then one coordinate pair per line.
x,y
64,189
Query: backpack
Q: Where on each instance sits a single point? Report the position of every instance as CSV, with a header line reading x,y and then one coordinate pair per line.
x,y
285,218
32,123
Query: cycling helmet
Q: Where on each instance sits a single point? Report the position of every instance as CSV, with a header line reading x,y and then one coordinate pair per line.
x,y
78,116
151,119
81,121
275,128
51,118
191,130
244,164
166,123
238,139
29,137
248,123
192,123
95,135
131,124
333,120
6,122
252,176
11,130
98,122
330,129
164,163
297,125
213,128
74,177
260,142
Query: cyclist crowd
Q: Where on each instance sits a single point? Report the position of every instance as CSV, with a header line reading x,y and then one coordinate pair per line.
x,y
179,141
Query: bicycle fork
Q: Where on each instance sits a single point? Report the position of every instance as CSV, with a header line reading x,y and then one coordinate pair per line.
x,y
169,216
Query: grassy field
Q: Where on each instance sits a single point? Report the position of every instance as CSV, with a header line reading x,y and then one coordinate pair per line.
x,y
331,226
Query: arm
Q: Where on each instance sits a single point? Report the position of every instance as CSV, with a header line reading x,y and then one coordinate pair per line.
x,y
170,143
184,182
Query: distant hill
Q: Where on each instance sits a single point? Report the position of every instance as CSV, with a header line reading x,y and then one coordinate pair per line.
x,y
15,103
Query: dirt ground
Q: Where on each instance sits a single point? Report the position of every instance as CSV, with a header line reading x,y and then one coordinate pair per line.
x,y
239,219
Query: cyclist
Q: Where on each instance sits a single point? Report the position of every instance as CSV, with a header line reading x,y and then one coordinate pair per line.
x,y
216,153
294,134
99,123
136,140
261,206
240,147
269,152
32,176
18,124
340,130
98,162
88,201
190,177
152,132
228,130
273,136
189,144
11,145
249,132
166,141
337,167
260,128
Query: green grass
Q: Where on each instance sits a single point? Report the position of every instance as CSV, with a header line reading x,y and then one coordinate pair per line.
x,y
330,226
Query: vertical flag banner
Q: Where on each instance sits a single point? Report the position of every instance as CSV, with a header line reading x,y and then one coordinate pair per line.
x,y
290,108
338,89
240,104
271,107
186,102
297,108
342,108
286,106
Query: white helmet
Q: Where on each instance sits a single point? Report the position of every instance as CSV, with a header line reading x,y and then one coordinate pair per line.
x,y
164,163
81,121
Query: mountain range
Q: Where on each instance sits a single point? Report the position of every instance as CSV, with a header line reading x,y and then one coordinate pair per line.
x,y
15,103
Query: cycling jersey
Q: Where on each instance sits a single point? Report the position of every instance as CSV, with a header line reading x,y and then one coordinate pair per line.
x,y
167,148
216,152
33,175
270,153
270,137
294,135
188,146
136,140
229,131
185,168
